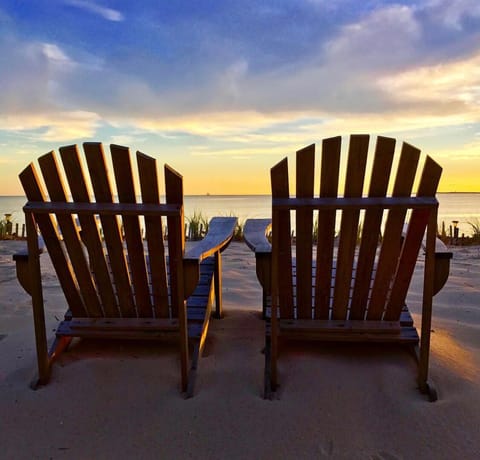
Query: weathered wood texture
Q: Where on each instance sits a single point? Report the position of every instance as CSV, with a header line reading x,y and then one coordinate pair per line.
x,y
118,284
351,287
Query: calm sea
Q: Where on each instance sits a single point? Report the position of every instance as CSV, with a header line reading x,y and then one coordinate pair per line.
x,y
461,207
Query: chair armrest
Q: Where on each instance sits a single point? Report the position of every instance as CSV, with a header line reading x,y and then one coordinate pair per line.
x,y
23,254
22,266
218,237
255,234
220,233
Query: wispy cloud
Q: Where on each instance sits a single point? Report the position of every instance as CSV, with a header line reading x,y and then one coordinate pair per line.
x,y
54,126
453,13
443,88
106,13
57,56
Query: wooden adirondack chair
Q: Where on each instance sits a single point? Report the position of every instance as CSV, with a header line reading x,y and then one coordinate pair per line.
x,y
351,288
115,285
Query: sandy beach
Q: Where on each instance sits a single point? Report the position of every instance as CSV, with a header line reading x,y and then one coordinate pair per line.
x,y
122,400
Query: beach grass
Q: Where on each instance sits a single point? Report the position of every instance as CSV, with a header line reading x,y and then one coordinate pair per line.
x,y
475,225
197,226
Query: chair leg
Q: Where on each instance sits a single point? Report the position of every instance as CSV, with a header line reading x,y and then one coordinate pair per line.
x,y
36,292
428,284
270,374
192,375
40,378
422,354
265,302
430,391
267,381
424,384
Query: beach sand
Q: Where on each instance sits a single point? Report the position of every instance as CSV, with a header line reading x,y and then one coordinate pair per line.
x,y
122,400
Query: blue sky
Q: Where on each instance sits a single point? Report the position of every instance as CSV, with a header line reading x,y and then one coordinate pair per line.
x,y
222,90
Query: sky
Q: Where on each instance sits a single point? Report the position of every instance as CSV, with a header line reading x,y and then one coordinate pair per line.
x,y
223,90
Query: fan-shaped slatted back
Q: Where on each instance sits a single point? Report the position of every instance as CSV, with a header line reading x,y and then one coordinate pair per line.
x,y
93,231
359,274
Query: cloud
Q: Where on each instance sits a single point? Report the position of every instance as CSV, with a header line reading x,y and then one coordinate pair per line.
x,y
53,126
365,77
386,36
56,56
237,153
453,13
340,76
123,139
32,74
468,151
229,81
107,13
444,87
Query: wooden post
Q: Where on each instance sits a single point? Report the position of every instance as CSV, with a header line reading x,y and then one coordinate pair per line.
x,y
429,275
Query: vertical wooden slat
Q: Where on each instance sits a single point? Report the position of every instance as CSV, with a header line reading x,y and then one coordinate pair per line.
x,y
176,245
34,191
304,220
371,226
416,229
357,158
283,247
326,225
111,231
147,170
176,235
56,190
122,169
281,276
391,242
90,232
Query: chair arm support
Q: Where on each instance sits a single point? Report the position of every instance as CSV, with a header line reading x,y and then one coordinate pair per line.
x,y
220,233
442,262
255,235
442,265
22,267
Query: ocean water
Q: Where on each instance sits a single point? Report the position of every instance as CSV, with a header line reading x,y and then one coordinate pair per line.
x,y
461,207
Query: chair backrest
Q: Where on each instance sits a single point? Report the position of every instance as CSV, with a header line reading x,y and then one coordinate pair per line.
x,y
365,272
93,231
